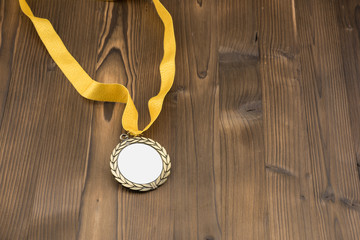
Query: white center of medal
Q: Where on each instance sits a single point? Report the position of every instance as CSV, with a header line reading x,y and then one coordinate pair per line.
x,y
140,163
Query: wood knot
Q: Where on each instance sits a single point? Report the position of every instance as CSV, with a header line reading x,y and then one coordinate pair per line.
x,y
328,195
209,238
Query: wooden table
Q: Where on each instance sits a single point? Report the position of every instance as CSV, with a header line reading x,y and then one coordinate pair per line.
x,y
262,123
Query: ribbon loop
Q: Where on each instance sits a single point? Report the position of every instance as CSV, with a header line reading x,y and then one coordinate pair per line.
x,y
109,92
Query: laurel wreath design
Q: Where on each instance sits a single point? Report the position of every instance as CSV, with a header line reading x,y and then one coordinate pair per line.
x,y
135,186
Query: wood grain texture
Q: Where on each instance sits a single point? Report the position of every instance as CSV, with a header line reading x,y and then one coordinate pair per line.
x,y
262,123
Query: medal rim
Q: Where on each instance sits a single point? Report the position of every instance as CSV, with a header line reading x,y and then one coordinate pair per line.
x,y
165,172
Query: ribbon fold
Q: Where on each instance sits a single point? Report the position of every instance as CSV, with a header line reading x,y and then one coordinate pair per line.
x,y
110,92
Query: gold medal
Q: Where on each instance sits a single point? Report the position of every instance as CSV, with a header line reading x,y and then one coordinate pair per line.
x,y
140,163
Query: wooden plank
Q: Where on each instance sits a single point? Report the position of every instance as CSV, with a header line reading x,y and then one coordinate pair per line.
x,y
333,161
194,193
286,158
125,43
44,134
321,218
155,208
243,188
99,208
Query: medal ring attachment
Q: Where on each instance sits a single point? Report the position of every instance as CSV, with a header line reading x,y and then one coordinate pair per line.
x,y
124,137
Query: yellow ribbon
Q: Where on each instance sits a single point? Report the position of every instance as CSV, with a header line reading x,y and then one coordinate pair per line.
x,y
90,89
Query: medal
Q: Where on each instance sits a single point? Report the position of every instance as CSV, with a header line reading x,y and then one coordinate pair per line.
x,y
140,163
137,163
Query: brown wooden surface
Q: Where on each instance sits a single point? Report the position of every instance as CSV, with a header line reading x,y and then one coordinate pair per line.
x,y
262,124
